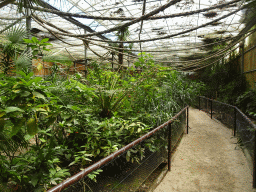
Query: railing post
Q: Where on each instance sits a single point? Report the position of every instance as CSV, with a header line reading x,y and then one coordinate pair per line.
x,y
254,163
211,109
206,105
187,120
199,103
234,121
169,146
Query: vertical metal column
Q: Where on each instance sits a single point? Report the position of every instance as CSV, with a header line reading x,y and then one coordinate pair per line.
x,y
234,121
169,146
112,60
199,103
254,163
211,109
206,105
28,22
28,29
85,56
241,47
187,120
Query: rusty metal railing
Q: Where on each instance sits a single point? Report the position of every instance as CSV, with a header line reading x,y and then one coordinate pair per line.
x,y
241,125
75,178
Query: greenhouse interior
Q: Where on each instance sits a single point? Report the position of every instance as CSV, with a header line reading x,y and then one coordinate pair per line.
x,y
91,91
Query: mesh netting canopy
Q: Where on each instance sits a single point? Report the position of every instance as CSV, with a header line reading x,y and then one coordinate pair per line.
x,y
178,33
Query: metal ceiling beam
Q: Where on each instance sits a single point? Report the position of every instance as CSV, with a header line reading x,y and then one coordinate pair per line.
x,y
71,19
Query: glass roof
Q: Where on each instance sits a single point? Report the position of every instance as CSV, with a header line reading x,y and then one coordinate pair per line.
x,y
169,32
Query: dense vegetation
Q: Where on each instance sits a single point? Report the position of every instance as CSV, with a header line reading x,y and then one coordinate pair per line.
x,y
224,82
50,128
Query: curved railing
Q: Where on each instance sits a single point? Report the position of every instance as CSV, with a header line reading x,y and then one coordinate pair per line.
x,y
241,125
131,175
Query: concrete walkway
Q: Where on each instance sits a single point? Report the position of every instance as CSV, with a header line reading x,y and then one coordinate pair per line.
x,y
206,160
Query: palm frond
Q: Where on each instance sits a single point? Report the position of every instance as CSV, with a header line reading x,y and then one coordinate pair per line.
x,y
24,61
16,34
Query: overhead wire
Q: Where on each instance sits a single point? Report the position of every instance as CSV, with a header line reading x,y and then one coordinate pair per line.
x,y
222,51
159,38
91,39
133,18
115,49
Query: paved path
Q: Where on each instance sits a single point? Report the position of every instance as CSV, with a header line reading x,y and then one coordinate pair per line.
x,y
207,161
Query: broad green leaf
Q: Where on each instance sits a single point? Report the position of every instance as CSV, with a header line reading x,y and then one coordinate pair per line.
x,y
32,126
13,109
52,171
34,181
43,140
38,95
73,107
46,49
40,109
44,40
28,137
35,40
32,46
37,79
76,122
30,74
17,124
24,94
27,41
47,44
16,91
2,114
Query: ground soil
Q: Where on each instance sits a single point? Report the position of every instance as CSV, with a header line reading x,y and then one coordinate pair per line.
x,y
208,159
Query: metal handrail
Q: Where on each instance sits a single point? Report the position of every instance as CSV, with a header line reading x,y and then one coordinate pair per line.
x,y
217,101
233,106
250,123
107,159
247,118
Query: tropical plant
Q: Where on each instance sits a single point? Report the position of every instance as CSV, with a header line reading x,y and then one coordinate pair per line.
x,y
12,48
49,129
37,46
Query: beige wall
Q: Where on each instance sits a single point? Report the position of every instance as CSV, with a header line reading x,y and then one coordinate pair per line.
x,y
250,60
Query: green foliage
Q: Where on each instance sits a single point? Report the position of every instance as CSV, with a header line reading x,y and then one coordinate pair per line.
x,y
52,129
37,46
223,81
247,102
11,47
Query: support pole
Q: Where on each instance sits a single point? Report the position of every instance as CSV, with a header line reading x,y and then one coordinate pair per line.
x,y
28,22
254,163
28,29
199,103
113,60
234,121
128,60
187,120
169,146
85,56
211,109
